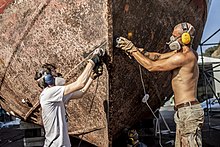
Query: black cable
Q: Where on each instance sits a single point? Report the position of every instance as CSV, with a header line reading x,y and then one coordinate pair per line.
x,y
90,108
210,37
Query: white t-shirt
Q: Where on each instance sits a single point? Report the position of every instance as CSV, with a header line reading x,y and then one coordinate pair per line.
x,y
53,116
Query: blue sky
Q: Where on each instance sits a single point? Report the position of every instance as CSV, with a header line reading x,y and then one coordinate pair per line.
x,y
212,25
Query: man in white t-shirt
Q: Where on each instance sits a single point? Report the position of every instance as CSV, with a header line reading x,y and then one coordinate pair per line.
x,y
55,95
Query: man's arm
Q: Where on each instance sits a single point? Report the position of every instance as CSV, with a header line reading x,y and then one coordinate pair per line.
x,y
158,56
167,64
81,80
79,93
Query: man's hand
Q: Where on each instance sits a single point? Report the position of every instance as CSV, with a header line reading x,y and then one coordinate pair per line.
x,y
96,59
97,71
97,56
126,45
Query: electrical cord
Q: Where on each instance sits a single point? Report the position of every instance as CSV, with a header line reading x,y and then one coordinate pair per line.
x,y
144,100
97,82
87,57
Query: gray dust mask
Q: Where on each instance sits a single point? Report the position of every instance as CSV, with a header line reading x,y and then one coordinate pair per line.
x,y
59,81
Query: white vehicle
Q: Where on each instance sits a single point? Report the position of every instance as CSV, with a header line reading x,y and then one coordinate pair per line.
x,y
211,104
14,123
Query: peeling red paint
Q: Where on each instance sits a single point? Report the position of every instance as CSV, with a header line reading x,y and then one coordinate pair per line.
x,y
4,4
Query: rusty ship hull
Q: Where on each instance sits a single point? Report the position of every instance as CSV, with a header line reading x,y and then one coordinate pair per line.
x,y
64,32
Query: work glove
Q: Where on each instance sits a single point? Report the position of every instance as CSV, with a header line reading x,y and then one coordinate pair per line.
x,y
95,59
126,45
97,71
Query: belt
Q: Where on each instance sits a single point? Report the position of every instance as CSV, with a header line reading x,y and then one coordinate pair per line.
x,y
186,104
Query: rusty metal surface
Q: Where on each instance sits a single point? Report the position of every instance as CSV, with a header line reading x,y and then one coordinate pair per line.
x,y
59,32
4,4
151,24
62,32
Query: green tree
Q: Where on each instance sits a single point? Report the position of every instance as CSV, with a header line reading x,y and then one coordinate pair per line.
x,y
209,51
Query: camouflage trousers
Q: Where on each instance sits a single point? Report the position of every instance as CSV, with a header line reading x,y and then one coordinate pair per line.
x,y
189,121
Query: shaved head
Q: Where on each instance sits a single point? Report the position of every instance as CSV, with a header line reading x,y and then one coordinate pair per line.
x,y
180,30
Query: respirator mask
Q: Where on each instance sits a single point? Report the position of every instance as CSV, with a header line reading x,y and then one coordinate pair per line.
x,y
186,38
59,81
173,43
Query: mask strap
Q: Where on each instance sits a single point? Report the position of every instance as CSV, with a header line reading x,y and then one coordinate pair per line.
x,y
185,27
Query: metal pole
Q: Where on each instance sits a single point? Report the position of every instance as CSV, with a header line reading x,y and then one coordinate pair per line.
x,y
210,36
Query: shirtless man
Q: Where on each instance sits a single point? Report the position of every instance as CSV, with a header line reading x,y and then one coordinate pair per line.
x,y
182,62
